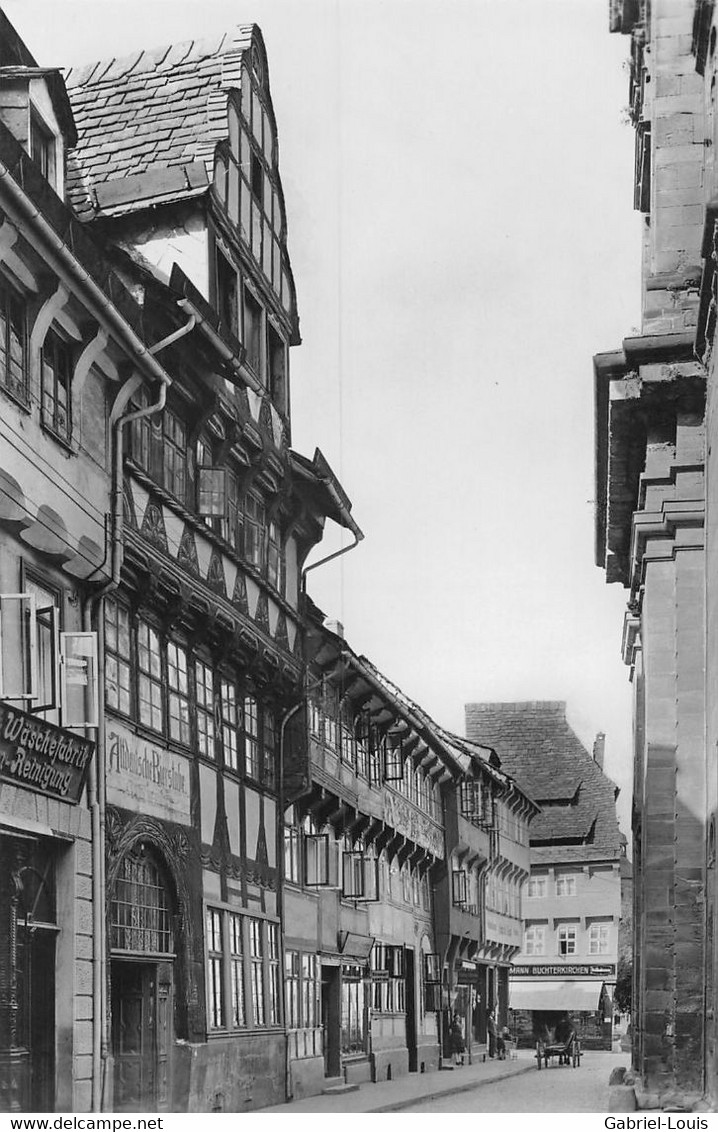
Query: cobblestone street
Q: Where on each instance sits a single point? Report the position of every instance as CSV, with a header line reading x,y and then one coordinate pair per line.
x,y
553,1090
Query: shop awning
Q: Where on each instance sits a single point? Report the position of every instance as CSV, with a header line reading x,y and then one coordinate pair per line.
x,y
555,994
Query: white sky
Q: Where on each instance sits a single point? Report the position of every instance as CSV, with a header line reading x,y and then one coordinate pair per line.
x,y
459,192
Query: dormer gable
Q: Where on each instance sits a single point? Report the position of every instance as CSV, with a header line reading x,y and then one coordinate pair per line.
x,y
34,106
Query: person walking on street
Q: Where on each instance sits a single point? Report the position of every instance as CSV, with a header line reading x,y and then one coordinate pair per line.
x,y
492,1032
458,1046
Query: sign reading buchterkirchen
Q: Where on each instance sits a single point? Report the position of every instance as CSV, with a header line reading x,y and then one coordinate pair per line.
x,y
570,970
42,757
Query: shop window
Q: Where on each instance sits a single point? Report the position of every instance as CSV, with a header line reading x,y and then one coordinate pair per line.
x,y
535,939
140,906
242,971
353,1010
204,692
273,991
215,966
388,991
178,698
236,969
599,935
292,998
256,956
13,344
149,684
567,935
56,368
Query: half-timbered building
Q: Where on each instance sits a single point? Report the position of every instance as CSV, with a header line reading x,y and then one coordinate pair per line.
x,y
176,170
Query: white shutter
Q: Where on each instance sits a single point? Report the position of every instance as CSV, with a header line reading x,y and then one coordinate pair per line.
x,y
78,679
18,648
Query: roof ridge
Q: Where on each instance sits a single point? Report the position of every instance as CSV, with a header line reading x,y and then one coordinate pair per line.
x,y
163,56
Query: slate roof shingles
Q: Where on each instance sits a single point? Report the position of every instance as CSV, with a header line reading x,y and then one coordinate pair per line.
x,y
169,90
537,747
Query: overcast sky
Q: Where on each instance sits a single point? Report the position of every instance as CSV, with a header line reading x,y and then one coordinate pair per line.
x,y
458,180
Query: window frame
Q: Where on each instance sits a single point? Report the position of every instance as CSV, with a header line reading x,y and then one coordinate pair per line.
x,y
56,370
247,977
567,934
13,317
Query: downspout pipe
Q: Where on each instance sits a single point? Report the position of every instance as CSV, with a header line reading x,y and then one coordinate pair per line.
x,y
97,774
329,557
280,863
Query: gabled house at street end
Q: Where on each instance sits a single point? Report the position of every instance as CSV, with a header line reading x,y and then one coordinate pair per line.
x,y
572,904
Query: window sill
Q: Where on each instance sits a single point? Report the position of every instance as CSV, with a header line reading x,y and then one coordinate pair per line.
x,y
64,441
21,401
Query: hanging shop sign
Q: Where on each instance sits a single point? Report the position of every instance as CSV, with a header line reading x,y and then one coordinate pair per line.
x,y
566,970
41,757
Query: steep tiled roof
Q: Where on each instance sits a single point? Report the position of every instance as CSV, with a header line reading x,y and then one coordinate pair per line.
x,y
540,750
152,110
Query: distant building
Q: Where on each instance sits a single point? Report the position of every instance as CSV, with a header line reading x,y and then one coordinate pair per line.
x,y
655,488
405,851
572,902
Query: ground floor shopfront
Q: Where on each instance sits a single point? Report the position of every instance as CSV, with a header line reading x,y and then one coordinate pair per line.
x,y
477,990
541,997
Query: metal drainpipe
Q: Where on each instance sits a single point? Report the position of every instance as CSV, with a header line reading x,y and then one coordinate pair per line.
x,y
328,558
280,842
97,777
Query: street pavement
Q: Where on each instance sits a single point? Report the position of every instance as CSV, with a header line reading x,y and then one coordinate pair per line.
x,y
556,1089
491,1086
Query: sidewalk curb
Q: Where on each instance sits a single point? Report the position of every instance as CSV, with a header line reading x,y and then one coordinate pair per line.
x,y
467,1087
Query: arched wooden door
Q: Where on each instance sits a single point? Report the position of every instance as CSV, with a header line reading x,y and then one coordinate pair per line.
x,y
142,980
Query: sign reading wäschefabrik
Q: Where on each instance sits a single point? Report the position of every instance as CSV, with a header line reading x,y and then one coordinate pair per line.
x,y
42,757
144,777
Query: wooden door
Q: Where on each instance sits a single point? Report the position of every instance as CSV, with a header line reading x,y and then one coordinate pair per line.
x,y
142,1035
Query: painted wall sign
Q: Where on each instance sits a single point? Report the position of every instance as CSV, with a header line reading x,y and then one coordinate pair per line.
x,y
503,929
146,777
579,970
42,757
406,819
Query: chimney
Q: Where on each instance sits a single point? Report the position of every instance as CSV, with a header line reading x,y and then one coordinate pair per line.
x,y
599,746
